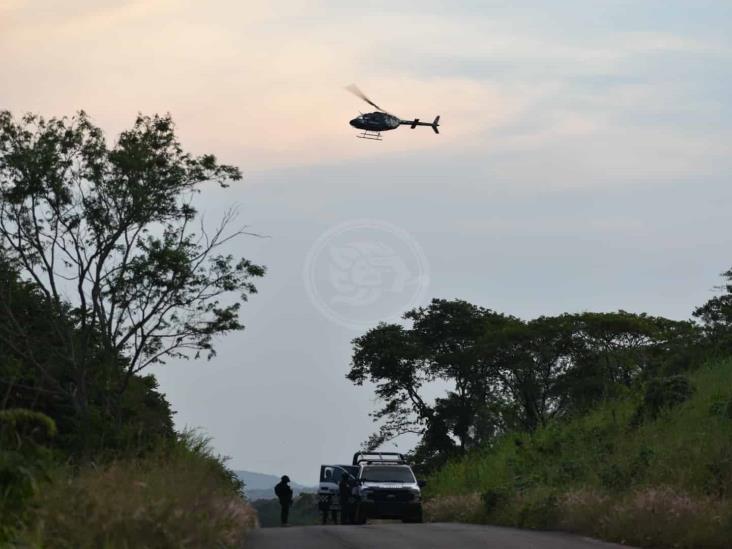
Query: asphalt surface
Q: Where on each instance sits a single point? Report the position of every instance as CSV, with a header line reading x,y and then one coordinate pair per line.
x,y
415,536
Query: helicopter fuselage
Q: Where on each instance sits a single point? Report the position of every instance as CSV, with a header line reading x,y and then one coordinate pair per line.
x,y
376,122
373,123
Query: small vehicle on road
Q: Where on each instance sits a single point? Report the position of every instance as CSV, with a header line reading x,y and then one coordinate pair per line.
x,y
387,488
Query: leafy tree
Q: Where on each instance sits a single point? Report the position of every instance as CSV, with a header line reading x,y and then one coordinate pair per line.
x,y
528,361
127,274
144,416
660,394
716,316
390,357
610,351
501,373
442,345
448,333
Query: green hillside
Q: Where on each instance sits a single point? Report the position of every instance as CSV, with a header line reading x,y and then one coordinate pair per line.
x,y
651,468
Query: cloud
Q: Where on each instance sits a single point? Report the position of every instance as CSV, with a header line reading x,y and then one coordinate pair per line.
x,y
262,83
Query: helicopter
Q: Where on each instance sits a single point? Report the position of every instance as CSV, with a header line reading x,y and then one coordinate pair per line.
x,y
373,123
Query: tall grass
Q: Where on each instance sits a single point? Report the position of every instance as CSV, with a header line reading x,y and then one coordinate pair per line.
x,y
665,482
180,496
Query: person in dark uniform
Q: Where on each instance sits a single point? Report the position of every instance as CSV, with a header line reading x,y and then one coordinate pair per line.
x,y
284,494
325,509
344,498
326,502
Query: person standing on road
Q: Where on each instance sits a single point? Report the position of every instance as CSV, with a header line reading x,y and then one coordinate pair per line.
x,y
325,508
284,494
326,501
344,497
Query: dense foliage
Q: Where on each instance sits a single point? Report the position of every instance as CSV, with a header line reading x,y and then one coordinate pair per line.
x,y
178,496
658,478
32,378
505,374
105,269
716,317
25,462
614,425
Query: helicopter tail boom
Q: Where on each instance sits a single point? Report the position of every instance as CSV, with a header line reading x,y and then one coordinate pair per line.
x,y
414,123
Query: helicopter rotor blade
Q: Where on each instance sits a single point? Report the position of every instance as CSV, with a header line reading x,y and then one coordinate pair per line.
x,y
358,93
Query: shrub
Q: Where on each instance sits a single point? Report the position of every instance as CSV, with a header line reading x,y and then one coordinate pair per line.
x,y
20,427
463,508
667,517
492,499
667,482
179,497
537,509
662,394
582,510
24,464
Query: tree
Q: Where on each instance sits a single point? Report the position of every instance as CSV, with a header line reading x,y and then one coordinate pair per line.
x,y
390,357
449,333
109,236
441,345
528,359
611,351
500,373
716,316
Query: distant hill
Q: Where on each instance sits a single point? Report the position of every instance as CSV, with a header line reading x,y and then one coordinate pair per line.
x,y
261,486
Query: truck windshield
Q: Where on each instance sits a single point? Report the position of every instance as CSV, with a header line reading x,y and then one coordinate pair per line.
x,y
387,474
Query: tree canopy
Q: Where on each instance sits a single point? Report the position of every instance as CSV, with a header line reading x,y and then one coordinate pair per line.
x,y
107,266
501,373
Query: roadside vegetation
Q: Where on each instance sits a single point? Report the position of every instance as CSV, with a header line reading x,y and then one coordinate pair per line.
x,y
179,495
658,479
105,270
616,425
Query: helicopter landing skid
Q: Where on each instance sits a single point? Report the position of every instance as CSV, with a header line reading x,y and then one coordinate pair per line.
x,y
374,136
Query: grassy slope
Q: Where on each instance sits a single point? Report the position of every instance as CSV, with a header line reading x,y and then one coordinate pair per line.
x,y
665,483
177,498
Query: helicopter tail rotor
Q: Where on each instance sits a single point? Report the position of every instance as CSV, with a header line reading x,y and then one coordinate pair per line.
x,y
435,124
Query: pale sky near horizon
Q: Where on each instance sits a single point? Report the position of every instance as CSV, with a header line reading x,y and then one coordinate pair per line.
x,y
583,164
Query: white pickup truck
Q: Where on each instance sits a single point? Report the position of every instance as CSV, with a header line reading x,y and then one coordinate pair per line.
x,y
385,487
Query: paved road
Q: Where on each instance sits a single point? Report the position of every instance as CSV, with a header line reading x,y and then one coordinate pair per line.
x,y
415,536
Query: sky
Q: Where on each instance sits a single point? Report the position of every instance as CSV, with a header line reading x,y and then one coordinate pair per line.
x,y
583,164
